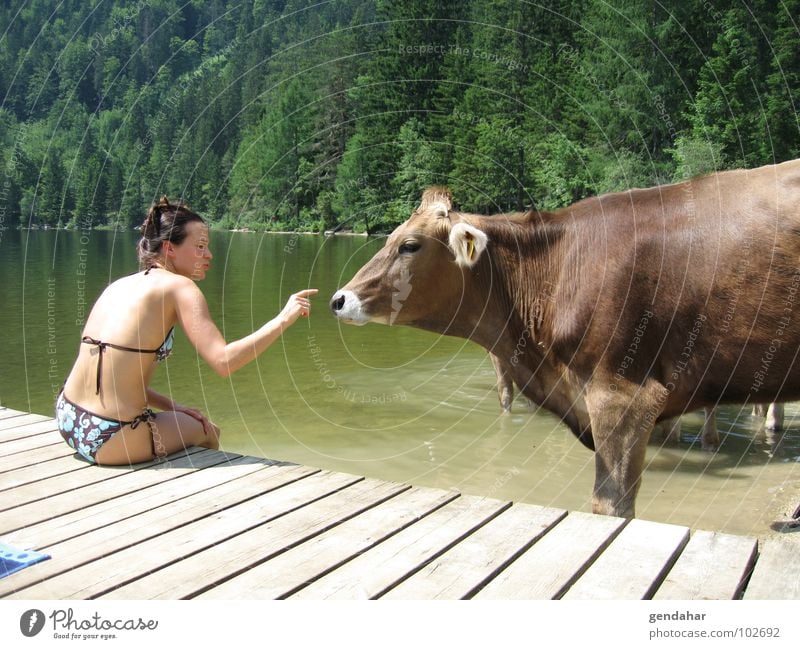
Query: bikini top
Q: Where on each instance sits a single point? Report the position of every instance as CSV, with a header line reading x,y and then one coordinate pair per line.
x,y
161,353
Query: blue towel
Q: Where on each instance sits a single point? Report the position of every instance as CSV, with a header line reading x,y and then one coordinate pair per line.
x,y
13,559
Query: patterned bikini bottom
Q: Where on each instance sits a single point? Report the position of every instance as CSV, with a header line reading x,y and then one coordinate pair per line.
x,y
86,432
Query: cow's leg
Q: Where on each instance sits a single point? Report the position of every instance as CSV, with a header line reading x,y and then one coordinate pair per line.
x,y
774,416
622,421
672,429
505,385
710,435
759,410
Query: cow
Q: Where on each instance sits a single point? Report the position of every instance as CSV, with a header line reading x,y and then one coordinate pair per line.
x,y
505,382
709,435
616,312
773,414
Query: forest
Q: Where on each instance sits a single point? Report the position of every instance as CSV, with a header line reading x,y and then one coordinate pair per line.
x,y
313,115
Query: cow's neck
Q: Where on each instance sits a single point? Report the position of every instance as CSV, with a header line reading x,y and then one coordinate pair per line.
x,y
518,284
518,279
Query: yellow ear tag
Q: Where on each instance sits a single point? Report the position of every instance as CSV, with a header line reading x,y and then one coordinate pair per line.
x,y
470,248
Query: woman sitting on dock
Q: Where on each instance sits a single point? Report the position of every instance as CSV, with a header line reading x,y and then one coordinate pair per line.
x,y
106,397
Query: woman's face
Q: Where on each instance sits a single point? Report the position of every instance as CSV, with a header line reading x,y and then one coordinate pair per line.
x,y
191,258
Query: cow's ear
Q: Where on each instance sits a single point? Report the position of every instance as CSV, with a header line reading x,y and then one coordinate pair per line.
x,y
467,243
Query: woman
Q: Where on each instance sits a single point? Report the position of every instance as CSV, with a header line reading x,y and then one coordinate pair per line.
x,y
104,409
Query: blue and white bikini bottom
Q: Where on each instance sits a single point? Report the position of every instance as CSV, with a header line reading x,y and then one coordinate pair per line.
x,y
86,432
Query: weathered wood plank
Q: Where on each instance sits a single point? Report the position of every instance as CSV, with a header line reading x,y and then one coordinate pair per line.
x,y
219,562
5,413
554,562
192,478
777,571
23,420
252,480
634,564
60,484
462,570
372,574
280,576
34,472
110,571
28,430
20,461
15,446
128,481
712,566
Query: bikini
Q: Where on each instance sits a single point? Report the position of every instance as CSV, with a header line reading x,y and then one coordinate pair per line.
x,y
85,431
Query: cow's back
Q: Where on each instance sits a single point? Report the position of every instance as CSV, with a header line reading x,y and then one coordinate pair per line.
x,y
696,284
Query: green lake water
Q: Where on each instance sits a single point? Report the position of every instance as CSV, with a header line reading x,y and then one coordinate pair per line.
x,y
386,402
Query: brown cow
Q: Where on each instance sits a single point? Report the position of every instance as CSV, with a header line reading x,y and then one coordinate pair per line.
x,y
709,435
615,312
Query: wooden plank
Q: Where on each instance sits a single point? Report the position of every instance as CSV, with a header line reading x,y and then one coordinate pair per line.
x,y
370,575
282,575
461,571
23,420
36,455
221,561
777,571
186,485
128,481
34,472
60,484
712,566
5,413
554,562
249,481
28,430
17,446
634,564
110,571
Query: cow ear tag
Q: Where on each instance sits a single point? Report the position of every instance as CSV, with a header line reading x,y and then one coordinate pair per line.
x,y
467,243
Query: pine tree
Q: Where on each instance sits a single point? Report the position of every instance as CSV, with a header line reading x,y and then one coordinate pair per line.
x,y
783,87
726,112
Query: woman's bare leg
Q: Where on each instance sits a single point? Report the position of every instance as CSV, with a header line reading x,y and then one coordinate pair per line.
x,y
171,431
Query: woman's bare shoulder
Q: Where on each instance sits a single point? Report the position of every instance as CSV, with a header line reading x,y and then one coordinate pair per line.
x,y
160,285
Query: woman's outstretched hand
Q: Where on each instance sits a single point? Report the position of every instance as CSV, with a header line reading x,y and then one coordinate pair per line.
x,y
298,305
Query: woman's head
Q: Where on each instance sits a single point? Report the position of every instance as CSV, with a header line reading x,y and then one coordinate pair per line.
x,y
165,229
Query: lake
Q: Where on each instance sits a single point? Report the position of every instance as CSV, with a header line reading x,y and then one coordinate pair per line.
x,y
386,402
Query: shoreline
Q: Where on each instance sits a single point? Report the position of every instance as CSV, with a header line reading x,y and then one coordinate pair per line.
x,y
106,228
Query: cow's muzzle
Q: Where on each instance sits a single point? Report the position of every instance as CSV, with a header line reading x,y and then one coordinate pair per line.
x,y
346,306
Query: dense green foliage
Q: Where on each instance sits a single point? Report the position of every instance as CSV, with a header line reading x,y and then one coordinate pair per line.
x,y
291,114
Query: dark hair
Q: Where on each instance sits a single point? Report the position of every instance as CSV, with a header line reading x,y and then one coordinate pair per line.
x,y
165,222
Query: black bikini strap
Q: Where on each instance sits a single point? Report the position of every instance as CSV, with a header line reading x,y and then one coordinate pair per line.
x,y
88,340
102,348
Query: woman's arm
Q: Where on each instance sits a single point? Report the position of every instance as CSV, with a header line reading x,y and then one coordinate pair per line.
x,y
160,401
225,358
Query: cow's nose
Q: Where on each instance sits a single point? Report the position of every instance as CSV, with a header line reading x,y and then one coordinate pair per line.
x,y
337,301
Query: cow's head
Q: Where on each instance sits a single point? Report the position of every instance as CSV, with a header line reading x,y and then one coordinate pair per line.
x,y
421,277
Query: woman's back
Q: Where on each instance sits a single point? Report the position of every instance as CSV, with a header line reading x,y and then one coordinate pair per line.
x,y
136,312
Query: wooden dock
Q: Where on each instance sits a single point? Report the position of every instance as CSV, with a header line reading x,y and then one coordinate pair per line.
x,y
210,524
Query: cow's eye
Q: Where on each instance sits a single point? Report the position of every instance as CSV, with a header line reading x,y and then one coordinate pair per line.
x,y
408,247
